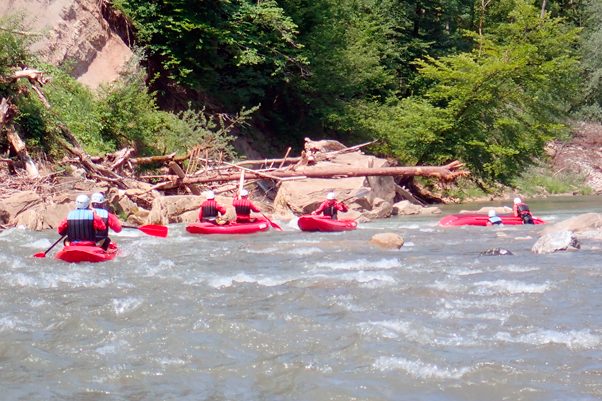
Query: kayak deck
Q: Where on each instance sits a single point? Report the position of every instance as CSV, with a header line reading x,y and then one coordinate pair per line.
x,y
479,219
86,253
230,228
309,222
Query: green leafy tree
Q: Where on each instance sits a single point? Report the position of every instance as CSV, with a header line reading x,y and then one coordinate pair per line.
x,y
494,107
591,105
236,50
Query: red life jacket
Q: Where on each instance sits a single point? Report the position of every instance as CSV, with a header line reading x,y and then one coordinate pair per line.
x,y
522,209
242,207
524,213
209,208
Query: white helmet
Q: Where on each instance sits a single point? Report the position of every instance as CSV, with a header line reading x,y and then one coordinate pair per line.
x,y
517,200
491,212
97,197
210,195
244,192
330,196
82,202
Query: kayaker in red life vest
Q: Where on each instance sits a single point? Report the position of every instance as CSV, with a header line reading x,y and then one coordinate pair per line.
x,y
330,207
210,209
244,207
111,221
81,224
520,209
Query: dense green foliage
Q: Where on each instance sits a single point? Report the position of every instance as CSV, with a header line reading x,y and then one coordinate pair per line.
x,y
485,82
488,83
591,107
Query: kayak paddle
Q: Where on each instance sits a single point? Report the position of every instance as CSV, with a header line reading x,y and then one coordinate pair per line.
x,y
43,254
151,229
359,193
274,225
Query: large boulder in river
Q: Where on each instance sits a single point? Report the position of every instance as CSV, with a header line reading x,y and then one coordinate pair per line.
x,y
18,203
556,241
169,209
588,225
387,240
405,208
185,209
305,195
36,213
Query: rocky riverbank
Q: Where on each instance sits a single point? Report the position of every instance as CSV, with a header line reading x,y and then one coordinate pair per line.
x,y
40,204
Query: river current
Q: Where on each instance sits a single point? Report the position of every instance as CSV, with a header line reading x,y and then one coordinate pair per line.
x,y
306,316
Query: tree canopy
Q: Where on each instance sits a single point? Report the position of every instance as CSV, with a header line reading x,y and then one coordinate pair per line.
x,y
488,82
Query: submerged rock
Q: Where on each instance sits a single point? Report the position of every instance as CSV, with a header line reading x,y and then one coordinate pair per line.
x,y
388,240
496,252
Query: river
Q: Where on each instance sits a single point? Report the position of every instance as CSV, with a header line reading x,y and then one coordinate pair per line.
x,y
306,316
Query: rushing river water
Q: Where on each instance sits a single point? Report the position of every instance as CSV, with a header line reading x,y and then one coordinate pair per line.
x,y
306,316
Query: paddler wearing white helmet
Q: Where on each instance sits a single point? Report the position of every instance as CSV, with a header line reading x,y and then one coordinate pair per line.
x,y
111,221
521,209
210,210
494,219
244,207
82,223
330,207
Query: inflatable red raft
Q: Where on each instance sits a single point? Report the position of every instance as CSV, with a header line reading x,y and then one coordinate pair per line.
x,y
86,253
479,219
309,222
230,228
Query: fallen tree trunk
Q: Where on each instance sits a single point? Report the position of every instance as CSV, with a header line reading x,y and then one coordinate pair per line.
x,y
175,167
448,172
21,150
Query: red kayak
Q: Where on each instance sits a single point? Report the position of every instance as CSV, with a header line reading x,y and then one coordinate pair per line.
x,y
230,228
309,222
479,219
86,253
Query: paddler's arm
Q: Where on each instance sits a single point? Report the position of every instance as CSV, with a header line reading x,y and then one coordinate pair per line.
x,y
114,223
99,225
62,228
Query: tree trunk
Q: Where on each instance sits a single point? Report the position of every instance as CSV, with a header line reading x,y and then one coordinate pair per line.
x,y
175,167
19,146
447,173
543,8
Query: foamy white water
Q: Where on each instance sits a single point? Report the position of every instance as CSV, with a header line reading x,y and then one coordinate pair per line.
x,y
304,317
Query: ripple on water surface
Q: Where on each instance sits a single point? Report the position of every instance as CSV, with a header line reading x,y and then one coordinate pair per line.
x,y
302,316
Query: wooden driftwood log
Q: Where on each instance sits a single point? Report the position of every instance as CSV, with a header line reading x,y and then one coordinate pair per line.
x,y
448,172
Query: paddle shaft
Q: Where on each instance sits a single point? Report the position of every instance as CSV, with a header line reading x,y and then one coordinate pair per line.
x,y
274,225
49,249
359,193
241,182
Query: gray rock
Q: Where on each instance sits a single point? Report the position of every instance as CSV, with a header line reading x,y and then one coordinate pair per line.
x,y
496,252
556,241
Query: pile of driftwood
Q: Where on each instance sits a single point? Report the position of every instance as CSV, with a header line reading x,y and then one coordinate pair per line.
x,y
195,171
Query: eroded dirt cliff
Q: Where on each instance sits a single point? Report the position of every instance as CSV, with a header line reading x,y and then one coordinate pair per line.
x,y
74,33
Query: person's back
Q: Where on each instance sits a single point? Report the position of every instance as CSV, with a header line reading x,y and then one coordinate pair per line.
x,y
81,224
521,209
210,209
111,221
244,207
494,219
